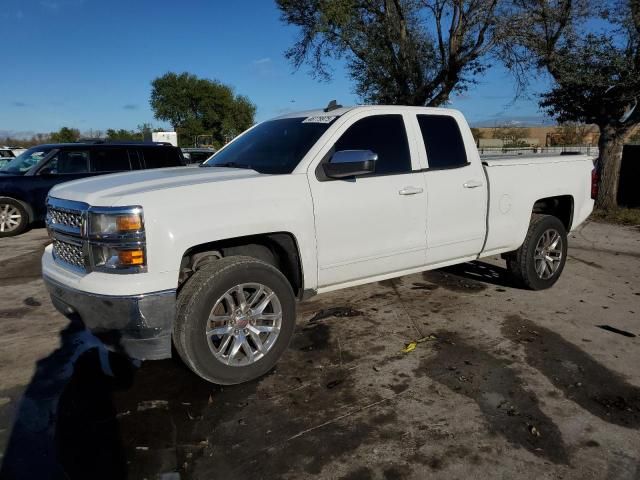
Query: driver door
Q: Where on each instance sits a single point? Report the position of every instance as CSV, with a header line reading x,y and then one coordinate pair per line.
x,y
373,224
64,166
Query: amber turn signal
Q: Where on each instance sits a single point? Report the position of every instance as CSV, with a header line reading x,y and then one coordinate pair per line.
x,y
127,223
131,257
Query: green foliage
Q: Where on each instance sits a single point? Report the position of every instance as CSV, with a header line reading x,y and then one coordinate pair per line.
x,y
477,134
622,216
513,137
570,133
122,134
198,106
592,52
65,135
397,51
634,138
596,81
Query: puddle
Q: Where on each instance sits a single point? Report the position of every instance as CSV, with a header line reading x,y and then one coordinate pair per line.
x,y
337,312
19,312
453,282
506,405
600,391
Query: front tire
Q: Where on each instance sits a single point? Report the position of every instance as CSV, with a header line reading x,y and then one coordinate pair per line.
x,y
14,218
538,263
235,318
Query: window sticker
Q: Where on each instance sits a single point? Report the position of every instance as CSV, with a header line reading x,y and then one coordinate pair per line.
x,y
320,119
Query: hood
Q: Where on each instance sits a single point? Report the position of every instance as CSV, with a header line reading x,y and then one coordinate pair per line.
x,y
105,190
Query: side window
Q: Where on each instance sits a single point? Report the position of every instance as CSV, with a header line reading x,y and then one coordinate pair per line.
x,y
69,161
384,135
109,160
442,141
135,159
159,157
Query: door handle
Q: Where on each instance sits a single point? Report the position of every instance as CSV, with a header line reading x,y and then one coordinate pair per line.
x,y
410,190
472,184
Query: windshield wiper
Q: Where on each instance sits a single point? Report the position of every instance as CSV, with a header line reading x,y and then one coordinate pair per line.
x,y
229,165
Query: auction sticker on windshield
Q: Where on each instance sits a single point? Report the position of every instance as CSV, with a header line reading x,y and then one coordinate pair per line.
x,y
320,119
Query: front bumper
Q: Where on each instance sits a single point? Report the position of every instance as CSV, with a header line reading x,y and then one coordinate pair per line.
x,y
139,324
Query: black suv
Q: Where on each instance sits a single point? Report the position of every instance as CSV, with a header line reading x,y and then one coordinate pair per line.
x,y
26,180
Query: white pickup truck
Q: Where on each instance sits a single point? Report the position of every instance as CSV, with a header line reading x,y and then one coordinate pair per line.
x,y
213,258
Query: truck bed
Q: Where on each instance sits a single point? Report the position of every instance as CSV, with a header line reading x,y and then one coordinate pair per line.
x,y
516,182
498,160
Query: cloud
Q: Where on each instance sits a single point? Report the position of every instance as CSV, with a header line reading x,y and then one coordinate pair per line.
x,y
58,4
50,4
262,61
130,106
19,104
263,67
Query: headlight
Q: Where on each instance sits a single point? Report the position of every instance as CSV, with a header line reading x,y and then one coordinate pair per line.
x,y
107,257
101,224
117,239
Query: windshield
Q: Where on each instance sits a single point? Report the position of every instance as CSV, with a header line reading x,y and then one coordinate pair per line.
x,y
276,146
23,162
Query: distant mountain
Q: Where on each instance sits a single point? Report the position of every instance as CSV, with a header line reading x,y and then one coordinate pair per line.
x,y
523,121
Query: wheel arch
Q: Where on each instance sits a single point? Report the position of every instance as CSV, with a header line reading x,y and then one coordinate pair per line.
x,y
26,205
560,206
279,249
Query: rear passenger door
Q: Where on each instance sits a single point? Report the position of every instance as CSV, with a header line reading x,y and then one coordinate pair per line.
x,y
159,156
372,224
65,165
110,160
456,190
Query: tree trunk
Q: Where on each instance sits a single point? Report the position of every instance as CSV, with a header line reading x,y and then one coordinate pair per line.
x,y
610,145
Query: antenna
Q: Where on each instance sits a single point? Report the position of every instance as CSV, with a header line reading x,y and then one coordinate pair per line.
x,y
333,105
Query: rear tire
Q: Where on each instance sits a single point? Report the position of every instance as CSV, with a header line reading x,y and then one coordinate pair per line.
x,y
220,331
14,218
538,263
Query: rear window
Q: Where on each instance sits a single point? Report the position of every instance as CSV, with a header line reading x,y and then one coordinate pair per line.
x,y
110,160
160,157
6,154
442,141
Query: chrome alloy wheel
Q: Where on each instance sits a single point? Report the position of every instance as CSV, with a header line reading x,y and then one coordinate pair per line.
x,y
244,324
548,255
10,217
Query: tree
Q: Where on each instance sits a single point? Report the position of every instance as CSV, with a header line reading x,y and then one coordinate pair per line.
x,y
65,135
398,51
512,137
595,73
123,134
477,134
634,138
570,133
198,106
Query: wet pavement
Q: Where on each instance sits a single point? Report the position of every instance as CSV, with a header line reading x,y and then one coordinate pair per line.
x,y
502,383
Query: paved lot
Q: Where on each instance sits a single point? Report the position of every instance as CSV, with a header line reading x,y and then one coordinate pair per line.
x,y
506,384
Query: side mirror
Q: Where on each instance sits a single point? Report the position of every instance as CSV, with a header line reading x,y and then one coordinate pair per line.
x,y
349,163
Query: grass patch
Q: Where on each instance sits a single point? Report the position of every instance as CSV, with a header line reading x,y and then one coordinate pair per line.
x,y
620,216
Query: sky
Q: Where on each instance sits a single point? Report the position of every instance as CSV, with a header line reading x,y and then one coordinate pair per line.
x,y
89,64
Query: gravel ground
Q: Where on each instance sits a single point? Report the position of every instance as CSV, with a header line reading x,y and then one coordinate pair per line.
x,y
505,383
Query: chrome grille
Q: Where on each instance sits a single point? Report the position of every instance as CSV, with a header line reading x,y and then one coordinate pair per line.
x,y
69,253
66,218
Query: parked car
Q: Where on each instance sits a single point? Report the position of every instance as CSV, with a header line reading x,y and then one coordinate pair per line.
x,y
6,155
26,180
212,259
197,155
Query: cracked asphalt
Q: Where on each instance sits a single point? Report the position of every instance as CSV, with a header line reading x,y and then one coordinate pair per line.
x,y
502,383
